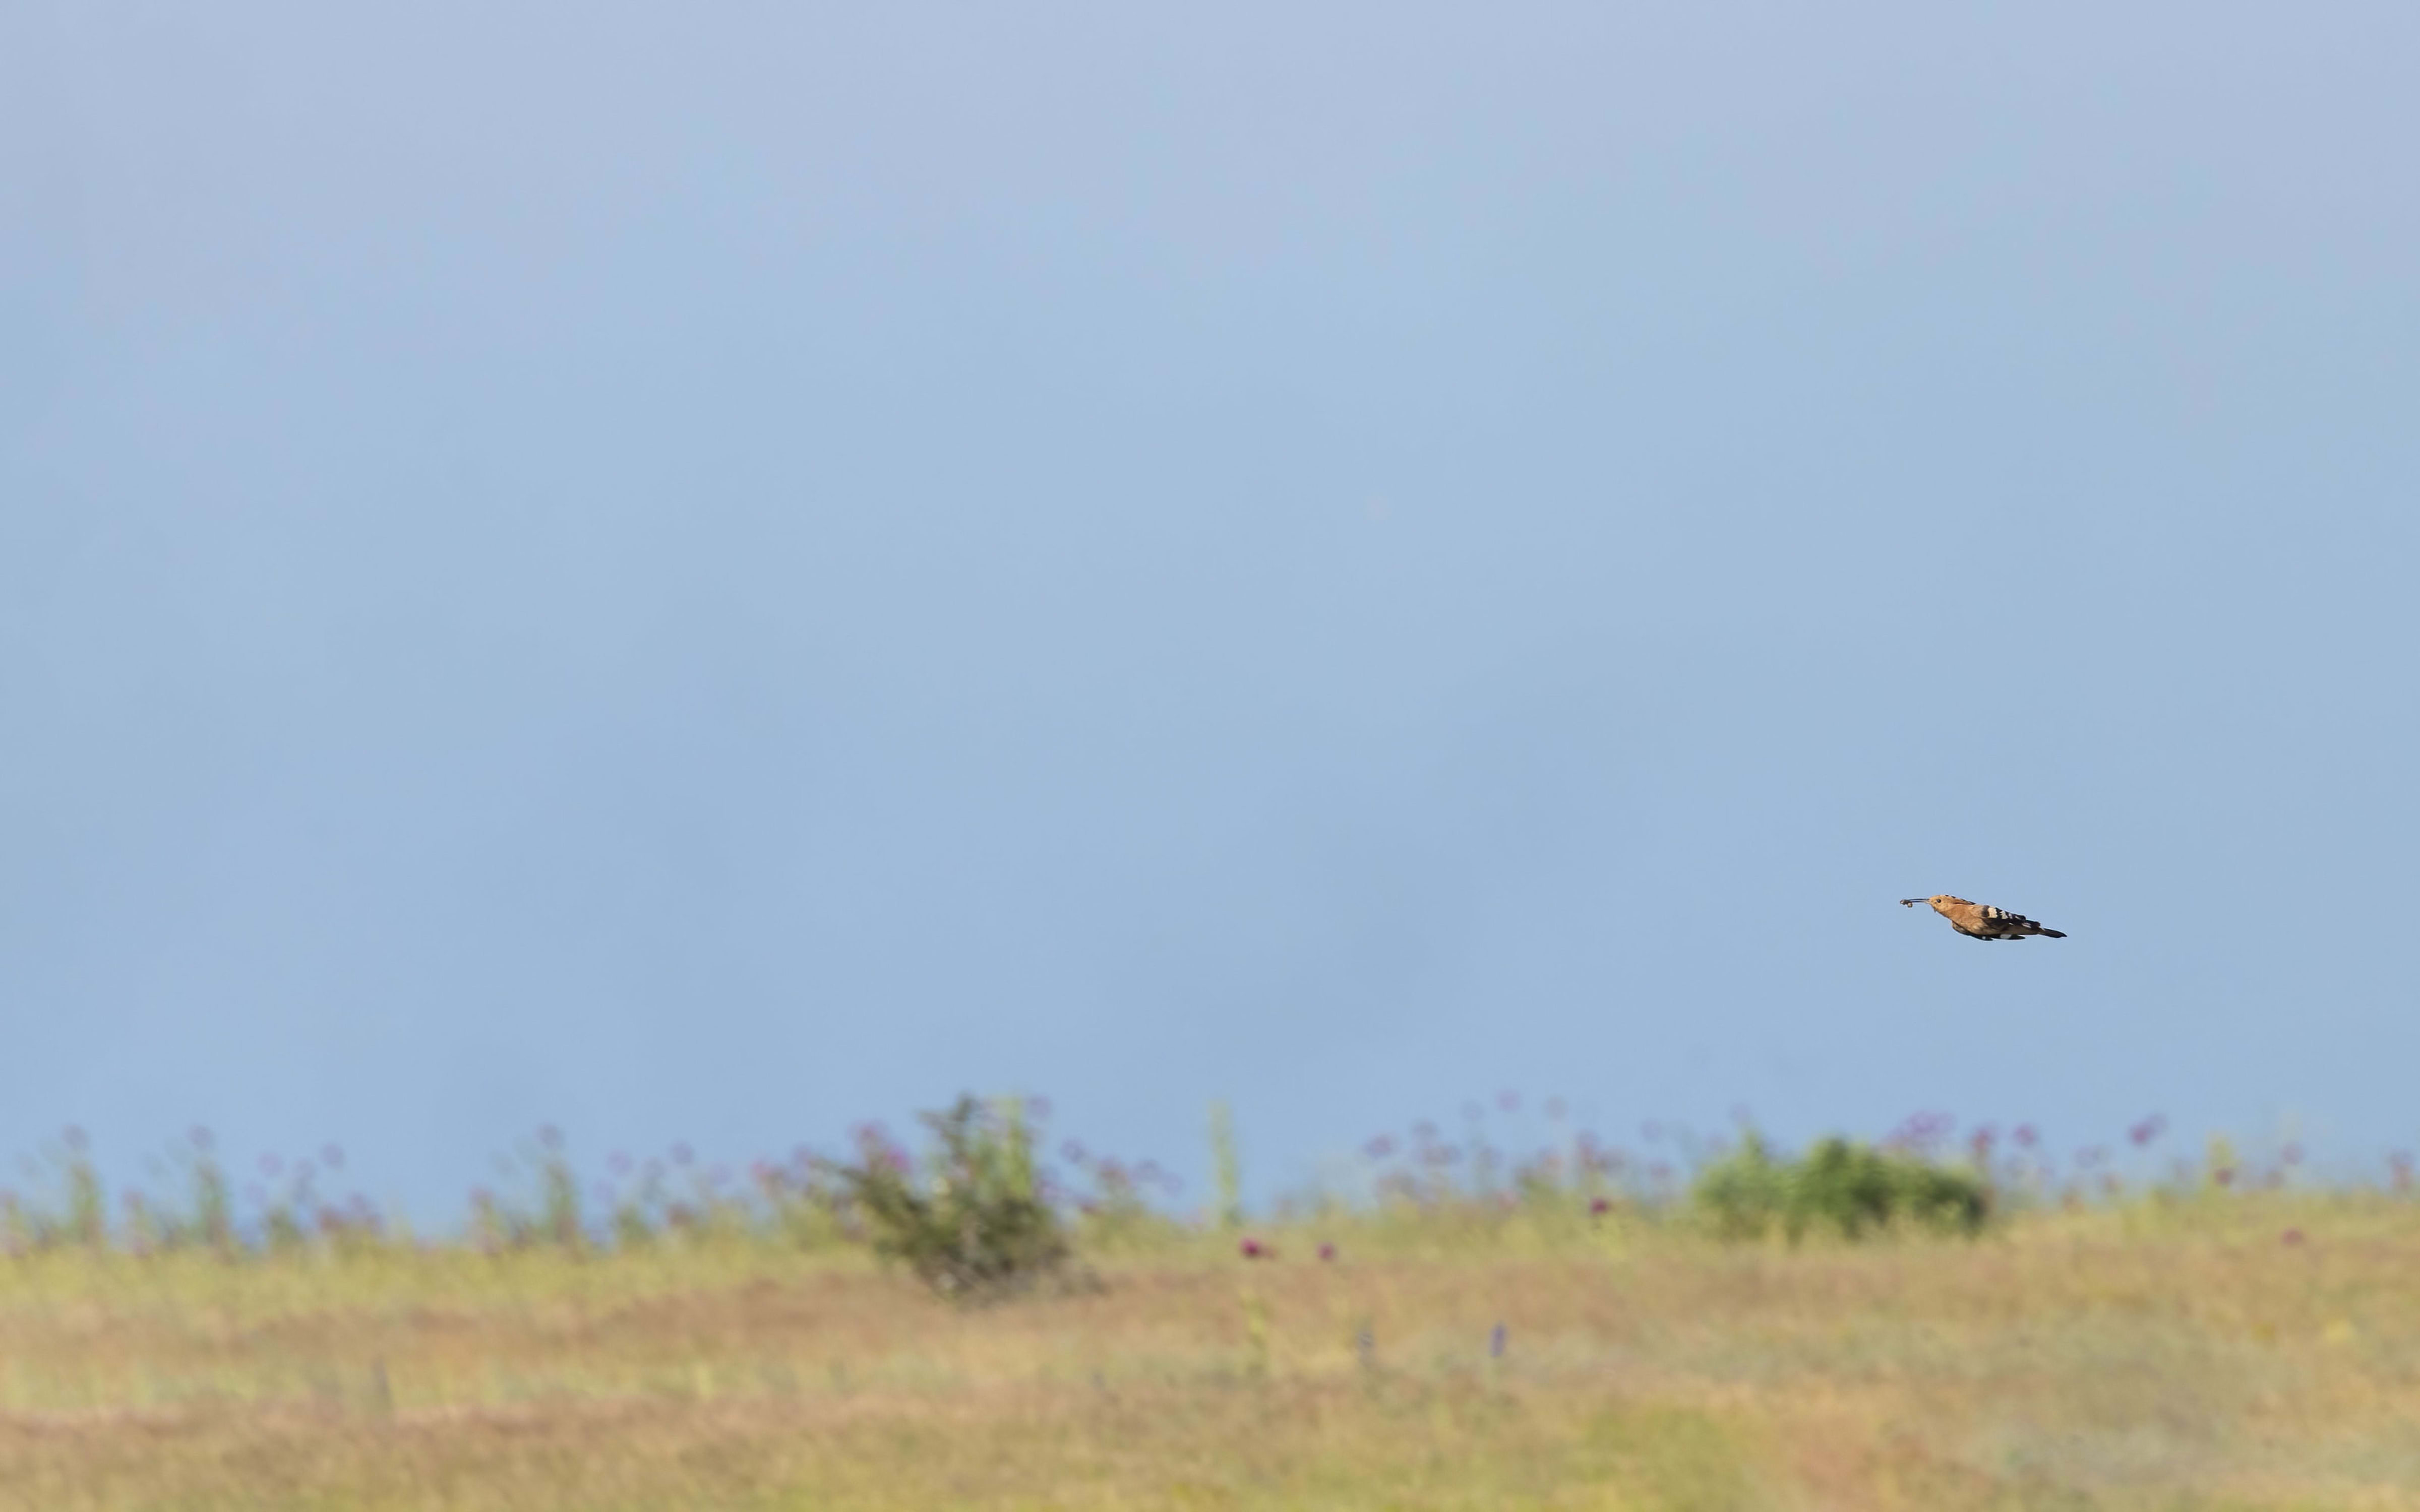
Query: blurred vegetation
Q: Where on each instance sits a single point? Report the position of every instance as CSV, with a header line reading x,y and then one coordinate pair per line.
x,y
988,1209
2215,1348
969,1220
1438,1322
1855,1190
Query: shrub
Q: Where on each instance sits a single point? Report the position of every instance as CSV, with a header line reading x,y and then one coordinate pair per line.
x,y
974,1224
1852,1188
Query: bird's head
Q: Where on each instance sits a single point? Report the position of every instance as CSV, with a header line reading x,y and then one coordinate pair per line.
x,y
1936,900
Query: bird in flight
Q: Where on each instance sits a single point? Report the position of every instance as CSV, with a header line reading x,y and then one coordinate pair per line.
x,y
1982,922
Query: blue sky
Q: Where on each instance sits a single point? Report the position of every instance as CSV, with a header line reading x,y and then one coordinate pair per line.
x,y
710,577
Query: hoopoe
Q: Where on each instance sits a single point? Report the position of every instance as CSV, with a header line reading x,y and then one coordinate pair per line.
x,y
1982,922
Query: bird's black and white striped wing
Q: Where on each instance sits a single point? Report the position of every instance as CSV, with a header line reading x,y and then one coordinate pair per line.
x,y
2001,921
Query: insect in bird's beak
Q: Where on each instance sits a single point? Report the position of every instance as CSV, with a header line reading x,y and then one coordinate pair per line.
x,y
1908,902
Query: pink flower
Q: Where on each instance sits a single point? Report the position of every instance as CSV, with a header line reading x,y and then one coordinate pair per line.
x,y
1327,1252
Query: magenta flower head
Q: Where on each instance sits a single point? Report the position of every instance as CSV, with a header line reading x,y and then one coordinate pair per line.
x,y
1327,1252
1599,1207
2291,1236
1252,1249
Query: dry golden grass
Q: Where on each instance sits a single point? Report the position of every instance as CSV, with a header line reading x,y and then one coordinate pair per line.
x,y
2142,1357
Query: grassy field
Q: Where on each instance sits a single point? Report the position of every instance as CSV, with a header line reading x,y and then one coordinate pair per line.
x,y
2250,1351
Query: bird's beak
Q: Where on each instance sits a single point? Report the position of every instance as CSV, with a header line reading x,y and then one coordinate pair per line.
x,y
1908,902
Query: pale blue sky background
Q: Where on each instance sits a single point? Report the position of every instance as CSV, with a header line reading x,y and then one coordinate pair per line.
x,y
710,574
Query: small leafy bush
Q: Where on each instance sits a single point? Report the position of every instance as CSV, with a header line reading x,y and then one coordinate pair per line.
x,y
1850,1188
969,1220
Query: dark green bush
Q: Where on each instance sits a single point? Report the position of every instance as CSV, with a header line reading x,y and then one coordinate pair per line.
x,y
1850,1188
969,1219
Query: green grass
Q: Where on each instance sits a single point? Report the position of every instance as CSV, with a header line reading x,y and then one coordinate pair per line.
x,y
2159,1353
